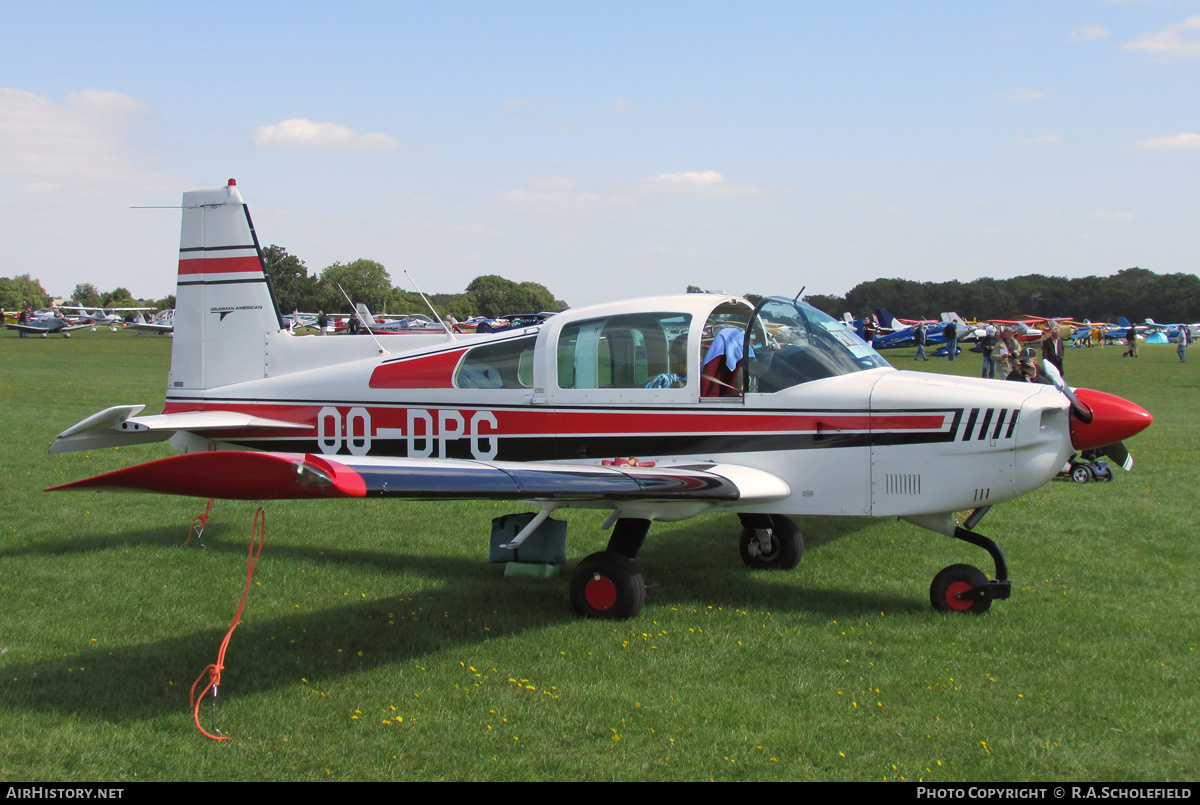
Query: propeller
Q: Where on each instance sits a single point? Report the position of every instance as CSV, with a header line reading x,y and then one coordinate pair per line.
x,y
1119,454
1081,411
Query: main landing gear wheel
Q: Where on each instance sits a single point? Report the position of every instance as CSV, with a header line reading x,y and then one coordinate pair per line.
x,y
607,586
772,543
1081,474
960,588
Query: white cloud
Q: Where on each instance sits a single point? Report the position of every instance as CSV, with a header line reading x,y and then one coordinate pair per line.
x,y
562,193
1103,215
298,133
1087,32
1171,142
1042,139
79,146
701,184
1020,95
1180,40
693,178
553,193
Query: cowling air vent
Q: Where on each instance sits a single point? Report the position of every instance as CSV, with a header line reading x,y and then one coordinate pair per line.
x,y
902,484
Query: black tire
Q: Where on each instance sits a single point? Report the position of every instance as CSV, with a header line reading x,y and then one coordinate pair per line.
x,y
1081,473
784,549
955,580
607,586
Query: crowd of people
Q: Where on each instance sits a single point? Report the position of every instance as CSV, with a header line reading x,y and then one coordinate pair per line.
x,y
1001,348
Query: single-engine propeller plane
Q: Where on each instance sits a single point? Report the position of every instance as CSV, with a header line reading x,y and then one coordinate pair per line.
x,y
764,411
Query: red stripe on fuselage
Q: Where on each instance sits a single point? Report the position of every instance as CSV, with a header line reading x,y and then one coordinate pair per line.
x,y
434,371
219,265
552,422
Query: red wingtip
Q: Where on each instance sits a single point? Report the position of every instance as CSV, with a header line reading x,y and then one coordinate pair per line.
x,y
232,183
1113,419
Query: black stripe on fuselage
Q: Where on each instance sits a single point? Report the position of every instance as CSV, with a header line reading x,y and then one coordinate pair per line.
x,y
189,249
218,282
571,448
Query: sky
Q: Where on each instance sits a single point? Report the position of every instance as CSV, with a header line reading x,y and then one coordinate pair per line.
x,y
607,149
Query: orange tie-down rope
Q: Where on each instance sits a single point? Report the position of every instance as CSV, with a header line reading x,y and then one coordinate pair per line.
x,y
258,532
202,519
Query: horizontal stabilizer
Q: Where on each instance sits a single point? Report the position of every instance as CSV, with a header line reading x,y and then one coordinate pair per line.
x,y
118,426
231,475
259,476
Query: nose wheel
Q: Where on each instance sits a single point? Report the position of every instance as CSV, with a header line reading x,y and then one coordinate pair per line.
x,y
965,588
960,588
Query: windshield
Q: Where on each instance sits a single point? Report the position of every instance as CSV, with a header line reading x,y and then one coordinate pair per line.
x,y
794,343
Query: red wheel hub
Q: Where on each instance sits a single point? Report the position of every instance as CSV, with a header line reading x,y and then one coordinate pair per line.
x,y
953,591
600,592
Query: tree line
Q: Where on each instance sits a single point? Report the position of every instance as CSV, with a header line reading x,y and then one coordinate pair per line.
x,y
1136,293
367,281
16,291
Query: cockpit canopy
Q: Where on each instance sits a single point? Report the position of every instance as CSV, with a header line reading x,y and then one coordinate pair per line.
x,y
795,343
671,350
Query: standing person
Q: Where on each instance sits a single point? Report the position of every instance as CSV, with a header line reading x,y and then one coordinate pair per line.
x,y
1185,338
950,331
1052,349
869,330
1131,340
23,318
988,344
1009,336
322,322
919,337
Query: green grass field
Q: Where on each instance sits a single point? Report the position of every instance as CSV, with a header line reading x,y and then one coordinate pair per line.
x,y
379,644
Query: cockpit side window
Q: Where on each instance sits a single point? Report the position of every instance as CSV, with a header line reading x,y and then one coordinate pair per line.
x,y
502,365
633,351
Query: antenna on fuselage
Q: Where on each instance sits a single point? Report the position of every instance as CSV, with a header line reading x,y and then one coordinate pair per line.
x,y
354,312
797,297
429,304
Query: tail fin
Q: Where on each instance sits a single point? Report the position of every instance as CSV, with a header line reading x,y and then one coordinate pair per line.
x,y
1124,322
884,318
224,305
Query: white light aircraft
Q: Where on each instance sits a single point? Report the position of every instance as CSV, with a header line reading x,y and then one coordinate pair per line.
x,y
162,323
789,413
109,317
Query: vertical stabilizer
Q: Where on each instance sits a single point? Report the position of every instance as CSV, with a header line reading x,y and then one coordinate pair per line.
x,y
224,307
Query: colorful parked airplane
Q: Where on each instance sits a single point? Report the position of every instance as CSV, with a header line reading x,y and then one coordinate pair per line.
x,y
788,413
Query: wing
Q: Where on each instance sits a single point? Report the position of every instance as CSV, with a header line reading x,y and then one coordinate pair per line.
x,y
149,327
120,425
241,475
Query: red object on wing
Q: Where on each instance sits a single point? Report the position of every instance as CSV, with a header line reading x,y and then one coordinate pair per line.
x,y
233,475
1113,419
